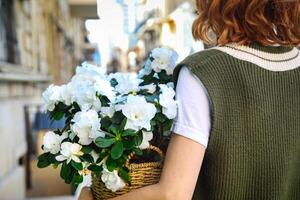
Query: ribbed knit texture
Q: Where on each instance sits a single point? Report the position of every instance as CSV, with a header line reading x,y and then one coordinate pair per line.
x,y
254,145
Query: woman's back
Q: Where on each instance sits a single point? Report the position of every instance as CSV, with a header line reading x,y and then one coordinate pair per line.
x,y
254,146
246,140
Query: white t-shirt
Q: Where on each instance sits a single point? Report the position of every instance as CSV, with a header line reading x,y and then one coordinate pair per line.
x,y
193,119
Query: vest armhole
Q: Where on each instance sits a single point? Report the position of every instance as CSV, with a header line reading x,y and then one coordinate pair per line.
x,y
200,62
196,60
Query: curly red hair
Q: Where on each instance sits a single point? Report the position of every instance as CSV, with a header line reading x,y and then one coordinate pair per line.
x,y
245,21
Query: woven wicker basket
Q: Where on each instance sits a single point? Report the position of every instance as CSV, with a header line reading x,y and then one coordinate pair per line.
x,y
141,174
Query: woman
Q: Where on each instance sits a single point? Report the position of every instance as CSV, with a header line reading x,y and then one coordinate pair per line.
x,y
239,107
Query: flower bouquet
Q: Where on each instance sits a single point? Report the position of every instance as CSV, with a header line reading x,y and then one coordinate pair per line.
x,y
117,125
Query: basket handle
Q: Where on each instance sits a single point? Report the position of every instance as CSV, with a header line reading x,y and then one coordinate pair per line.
x,y
151,147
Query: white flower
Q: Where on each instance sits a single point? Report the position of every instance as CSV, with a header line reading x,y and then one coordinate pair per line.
x,y
120,99
104,88
51,97
146,70
72,135
87,126
138,112
95,155
55,94
166,100
85,95
88,71
142,73
85,92
127,82
112,180
171,85
52,142
119,107
164,59
147,136
108,111
66,94
87,83
70,151
151,88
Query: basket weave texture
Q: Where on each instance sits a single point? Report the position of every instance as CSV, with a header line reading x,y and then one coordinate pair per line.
x,y
142,174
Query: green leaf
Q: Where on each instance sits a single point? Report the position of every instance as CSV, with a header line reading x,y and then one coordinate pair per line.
x,y
77,179
148,79
117,150
138,151
43,160
43,163
52,159
123,124
68,120
129,144
138,139
164,77
76,165
58,132
109,134
168,124
61,106
64,170
69,176
76,107
88,158
118,117
152,98
104,142
111,164
105,123
124,175
86,149
121,161
74,187
153,123
113,82
55,165
58,115
101,156
143,92
113,129
160,117
104,100
44,156
129,132
95,168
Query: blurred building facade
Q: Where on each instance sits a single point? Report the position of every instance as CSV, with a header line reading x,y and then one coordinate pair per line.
x,y
134,27
154,23
174,4
40,42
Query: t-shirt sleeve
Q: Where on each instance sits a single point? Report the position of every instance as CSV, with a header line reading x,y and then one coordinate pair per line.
x,y
193,118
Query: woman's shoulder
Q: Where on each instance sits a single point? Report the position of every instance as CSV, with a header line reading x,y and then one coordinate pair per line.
x,y
201,58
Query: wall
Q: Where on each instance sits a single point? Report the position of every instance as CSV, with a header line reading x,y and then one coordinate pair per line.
x,y
173,4
40,42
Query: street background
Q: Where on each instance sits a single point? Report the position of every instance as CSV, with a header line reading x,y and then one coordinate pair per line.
x,y
42,42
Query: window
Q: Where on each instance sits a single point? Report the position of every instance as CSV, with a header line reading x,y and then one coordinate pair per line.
x,y
8,40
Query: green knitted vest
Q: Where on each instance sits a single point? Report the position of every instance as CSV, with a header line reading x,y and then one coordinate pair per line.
x,y
254,145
